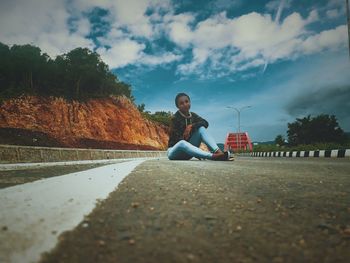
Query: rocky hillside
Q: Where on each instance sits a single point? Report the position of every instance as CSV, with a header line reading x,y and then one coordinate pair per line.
x,y
109,123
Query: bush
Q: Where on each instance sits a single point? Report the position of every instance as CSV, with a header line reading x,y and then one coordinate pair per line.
x,y
161,117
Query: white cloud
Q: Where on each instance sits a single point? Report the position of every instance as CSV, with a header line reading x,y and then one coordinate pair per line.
x,y
334,9
334,13
224,44
178,28
250,35
251,39
130,14
60,26
159,59
313,17
41,23
82,27
251,64
128,21
213,32
122,53
328,39
126,51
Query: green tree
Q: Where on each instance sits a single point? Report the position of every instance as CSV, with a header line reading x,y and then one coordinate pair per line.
x,y
27,63
141,107
78,74
81,73
5,71
320,129
21,69
88,76
279,140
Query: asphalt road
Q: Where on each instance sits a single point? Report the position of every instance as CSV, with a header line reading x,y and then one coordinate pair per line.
x,y
250,210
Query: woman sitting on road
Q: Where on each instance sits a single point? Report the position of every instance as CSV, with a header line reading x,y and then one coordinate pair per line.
x,y
187,131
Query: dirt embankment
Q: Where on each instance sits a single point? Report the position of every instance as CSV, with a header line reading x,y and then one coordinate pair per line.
x,y
109,123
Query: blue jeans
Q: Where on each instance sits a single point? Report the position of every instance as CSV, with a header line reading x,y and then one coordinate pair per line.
x,y
184,150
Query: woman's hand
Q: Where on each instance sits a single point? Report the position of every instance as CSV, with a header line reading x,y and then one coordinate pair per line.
x,y
187,132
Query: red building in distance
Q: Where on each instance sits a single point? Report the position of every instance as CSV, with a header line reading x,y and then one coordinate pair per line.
x,y
238,142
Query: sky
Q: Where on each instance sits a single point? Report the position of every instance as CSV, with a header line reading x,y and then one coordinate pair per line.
x,y
285,59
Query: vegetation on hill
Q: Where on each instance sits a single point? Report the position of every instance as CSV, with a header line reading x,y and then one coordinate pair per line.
x,y
77,75
162,117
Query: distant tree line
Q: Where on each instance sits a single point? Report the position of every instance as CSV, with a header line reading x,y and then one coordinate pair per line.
x,y
323,128
77,75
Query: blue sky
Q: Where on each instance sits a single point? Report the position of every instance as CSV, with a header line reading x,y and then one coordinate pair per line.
x,y
285,59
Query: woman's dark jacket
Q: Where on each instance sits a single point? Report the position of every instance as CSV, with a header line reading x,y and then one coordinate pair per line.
x,y
179,123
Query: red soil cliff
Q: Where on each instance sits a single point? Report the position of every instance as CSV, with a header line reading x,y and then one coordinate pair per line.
x,y
113,123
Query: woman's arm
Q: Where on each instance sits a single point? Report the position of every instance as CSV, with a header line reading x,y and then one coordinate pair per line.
x,y
174,134
198,121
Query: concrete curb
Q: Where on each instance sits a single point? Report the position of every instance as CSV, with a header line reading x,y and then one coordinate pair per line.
x,y
25,166
319,153
29,154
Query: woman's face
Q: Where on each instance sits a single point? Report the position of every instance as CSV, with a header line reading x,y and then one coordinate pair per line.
x,y
184,104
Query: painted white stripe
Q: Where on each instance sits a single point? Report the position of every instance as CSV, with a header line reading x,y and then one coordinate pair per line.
x,y
36,213
311,153
347,153
302,153
322,153
294,154
334,153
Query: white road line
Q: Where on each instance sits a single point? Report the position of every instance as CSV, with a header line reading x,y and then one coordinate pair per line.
x,y
34,214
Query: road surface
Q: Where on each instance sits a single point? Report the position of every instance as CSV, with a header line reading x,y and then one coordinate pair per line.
x,y
250,210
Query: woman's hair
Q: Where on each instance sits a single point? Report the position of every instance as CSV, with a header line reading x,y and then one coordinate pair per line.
x,y
181,95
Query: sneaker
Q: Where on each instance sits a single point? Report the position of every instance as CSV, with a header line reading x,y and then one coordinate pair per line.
x,y
222,156
231,156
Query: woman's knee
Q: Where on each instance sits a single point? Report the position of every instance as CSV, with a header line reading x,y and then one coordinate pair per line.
x,y
178,151
182,144
202,128
169,153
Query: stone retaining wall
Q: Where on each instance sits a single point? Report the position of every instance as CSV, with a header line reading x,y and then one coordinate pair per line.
x,y
29,154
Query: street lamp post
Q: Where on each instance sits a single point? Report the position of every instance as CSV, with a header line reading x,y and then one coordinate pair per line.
x,y
239,122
